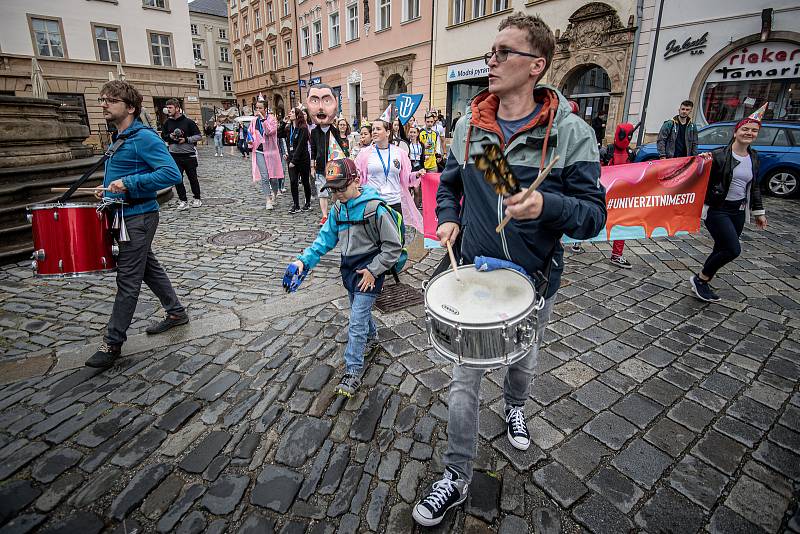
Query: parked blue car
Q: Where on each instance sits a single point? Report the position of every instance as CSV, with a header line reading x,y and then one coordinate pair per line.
x,y
778,146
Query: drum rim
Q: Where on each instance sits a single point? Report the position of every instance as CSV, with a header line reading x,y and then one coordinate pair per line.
x,y
52,205
473,363
75,275
481,326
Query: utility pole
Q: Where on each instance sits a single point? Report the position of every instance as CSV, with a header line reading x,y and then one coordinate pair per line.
x,y
643,114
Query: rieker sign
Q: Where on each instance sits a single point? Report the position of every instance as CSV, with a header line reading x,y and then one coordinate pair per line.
x,y
759,61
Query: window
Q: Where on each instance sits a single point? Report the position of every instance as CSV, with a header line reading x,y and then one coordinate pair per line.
x,y
233,3
317,36
256,19
155,3
235,29
193,28
245,27
270,13
478,8
288,53
160,49
47,36
500,5
227,83
285,8
197,50
201,80
333,32
273,53
384,14
223,33
107,44
250,66
458,11
240,68
223,54
305,42
352,22
410,10
261,68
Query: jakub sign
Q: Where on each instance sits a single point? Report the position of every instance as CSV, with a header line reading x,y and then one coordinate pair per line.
x,y
643,200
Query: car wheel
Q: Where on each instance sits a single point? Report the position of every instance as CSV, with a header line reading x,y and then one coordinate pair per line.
x,y
783,183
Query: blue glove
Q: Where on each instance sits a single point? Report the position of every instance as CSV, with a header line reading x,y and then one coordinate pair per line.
x,y
484,263
292,279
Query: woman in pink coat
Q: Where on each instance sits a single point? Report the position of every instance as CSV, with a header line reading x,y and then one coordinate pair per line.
x,y
266,159
387,169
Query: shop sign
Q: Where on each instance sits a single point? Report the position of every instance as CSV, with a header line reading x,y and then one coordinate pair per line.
x,y
466,71
759,61
693,46
191,98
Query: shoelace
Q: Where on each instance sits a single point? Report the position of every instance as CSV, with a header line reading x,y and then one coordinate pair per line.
x,y
105,347
441,491
516,419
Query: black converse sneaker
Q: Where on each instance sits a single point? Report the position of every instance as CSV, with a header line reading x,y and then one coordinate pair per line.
x,y
517,429
348,386
703,290
446,493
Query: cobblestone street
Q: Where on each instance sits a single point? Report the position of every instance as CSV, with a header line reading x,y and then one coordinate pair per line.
x,y
651,410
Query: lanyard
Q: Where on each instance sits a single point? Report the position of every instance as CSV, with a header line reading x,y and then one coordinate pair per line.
x,y
416,150
291,135
386,165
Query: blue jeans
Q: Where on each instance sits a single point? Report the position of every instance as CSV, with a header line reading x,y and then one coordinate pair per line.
x,y
217,144
464,400
361,329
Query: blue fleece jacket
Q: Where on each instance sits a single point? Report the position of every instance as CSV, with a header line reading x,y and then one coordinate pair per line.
x,y
145,167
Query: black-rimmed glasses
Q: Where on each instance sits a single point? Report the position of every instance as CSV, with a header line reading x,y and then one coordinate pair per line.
x,y
502,55
104,99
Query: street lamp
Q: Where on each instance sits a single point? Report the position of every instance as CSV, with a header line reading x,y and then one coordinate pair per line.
x,y
310,73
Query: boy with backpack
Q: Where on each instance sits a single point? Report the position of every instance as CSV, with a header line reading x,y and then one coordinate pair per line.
x,y
371,246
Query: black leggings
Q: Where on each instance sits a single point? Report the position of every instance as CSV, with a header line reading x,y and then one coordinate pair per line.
x,y
189,166
725,225
297,174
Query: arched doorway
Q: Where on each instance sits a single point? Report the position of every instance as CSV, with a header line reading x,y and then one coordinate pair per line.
x,y
590,86
280,111
395,85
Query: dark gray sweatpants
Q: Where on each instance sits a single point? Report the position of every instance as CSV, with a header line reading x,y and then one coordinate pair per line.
x,y
136,263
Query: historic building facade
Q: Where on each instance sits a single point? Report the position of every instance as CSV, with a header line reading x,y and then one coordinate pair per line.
x,y
80,45
211,50
592,62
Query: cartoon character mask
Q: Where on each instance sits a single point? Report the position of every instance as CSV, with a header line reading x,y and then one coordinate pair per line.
x,y
622,137
322,105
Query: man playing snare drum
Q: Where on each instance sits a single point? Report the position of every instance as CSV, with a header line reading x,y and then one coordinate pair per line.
x,y
136,172
533,123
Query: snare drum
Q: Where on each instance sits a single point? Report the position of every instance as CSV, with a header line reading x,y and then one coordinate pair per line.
x,y
71,239
485,320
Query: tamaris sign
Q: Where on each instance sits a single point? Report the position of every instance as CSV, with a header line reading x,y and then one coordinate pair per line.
x,y
759,61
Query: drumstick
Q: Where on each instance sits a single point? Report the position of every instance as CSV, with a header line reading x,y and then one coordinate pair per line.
x,y
79,190
531,189
452,259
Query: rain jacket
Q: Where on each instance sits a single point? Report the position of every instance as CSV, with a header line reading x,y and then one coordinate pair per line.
x,y
268,144
145,166
669,132
367,235
574,200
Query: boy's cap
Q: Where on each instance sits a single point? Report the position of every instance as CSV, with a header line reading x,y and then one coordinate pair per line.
x,y
339,173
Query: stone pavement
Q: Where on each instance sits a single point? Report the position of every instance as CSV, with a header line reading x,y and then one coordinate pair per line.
x,y
651,412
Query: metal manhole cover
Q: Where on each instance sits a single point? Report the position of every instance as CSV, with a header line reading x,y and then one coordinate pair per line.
x,y
238,238
396,297
219,201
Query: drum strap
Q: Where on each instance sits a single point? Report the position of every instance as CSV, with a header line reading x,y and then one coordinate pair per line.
x,y
79,182
542,279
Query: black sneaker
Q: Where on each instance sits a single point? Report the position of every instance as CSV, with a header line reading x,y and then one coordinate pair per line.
x,y
306,207
170,321
517,430
620,261
294,209
348,386
446,493
105,356
576,248
703,290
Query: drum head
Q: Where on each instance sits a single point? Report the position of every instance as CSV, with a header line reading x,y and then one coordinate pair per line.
x,y
480,298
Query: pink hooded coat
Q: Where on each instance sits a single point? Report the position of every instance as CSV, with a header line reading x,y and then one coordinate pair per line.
x,y
411,214
272,155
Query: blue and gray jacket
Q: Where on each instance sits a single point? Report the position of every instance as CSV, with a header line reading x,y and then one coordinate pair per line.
x,y
574,199
367,235
145,167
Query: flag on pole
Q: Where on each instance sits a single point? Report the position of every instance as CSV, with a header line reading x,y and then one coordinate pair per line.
x,y
387,114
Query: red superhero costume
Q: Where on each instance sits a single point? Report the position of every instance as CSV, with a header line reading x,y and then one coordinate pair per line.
x,y
619,153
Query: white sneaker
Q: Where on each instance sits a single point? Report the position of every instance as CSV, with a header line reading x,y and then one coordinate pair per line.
x,y
182,206
269,204
196,203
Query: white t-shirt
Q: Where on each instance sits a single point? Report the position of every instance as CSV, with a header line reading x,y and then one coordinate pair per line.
x,y
219,129
387,186
742,176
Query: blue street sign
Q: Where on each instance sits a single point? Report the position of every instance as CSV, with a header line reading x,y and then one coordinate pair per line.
x,y
302,83
316,80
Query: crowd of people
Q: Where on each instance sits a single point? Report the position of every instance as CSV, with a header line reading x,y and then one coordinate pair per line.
x,y
370,174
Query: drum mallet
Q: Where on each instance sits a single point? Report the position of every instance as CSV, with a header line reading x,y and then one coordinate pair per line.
x,y
80,190
531,189
452,259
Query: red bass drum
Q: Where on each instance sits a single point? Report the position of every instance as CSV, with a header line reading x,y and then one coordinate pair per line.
x,y
71,240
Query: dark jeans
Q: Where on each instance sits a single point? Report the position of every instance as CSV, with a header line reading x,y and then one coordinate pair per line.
x,y
137,263
189,166
725,225
296,175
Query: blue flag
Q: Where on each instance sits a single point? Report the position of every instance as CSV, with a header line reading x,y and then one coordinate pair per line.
x,y
406,106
